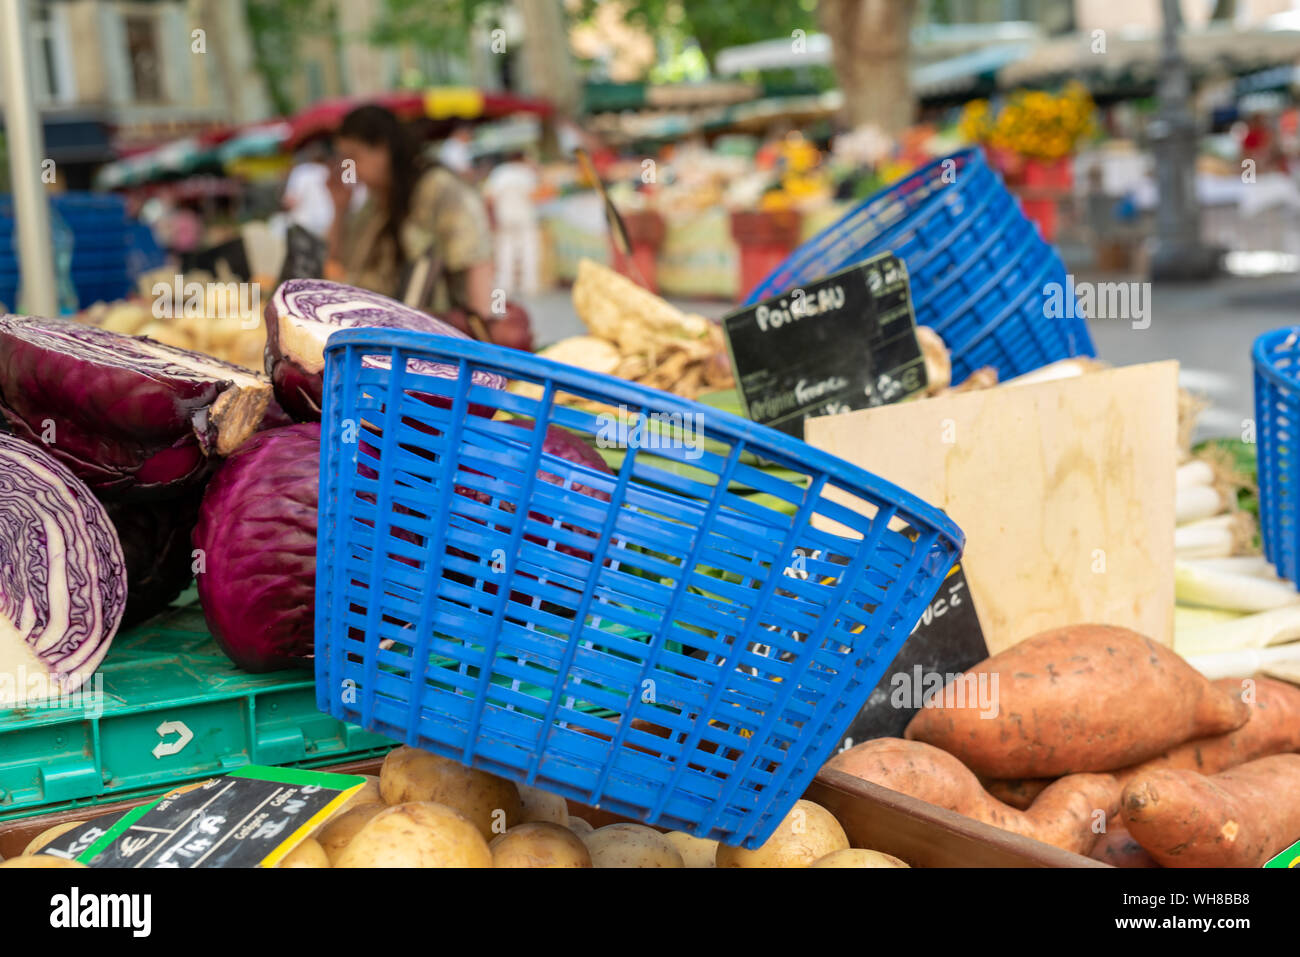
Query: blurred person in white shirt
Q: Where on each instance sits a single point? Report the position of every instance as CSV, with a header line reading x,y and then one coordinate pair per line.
x,y
455,152
307,198
510,188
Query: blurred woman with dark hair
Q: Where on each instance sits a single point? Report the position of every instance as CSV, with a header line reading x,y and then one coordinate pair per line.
x,y
415,212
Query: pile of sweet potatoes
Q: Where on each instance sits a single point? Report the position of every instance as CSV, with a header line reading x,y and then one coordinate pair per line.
x,y
1103,742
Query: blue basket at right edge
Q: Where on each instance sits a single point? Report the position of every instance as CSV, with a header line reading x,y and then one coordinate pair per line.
x,y
1276,356
978,267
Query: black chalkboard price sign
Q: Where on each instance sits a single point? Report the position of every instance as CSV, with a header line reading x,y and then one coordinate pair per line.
x,y
842,343
304,255
250,818
945,642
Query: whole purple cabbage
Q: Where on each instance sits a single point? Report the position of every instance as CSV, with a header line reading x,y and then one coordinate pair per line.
x,y
304,312
256,549
129,416
62,578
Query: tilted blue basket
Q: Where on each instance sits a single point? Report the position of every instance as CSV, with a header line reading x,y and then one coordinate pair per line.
x,y
477,596
978,267
1276,357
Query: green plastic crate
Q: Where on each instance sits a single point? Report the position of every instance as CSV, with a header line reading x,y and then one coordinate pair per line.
x,y
172,708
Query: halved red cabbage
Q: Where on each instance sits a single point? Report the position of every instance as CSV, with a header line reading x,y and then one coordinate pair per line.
x,y
62,578
304,312
129,416
256,542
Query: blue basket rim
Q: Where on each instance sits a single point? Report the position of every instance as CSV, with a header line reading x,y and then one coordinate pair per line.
x,y
752,433
969,154
1260,353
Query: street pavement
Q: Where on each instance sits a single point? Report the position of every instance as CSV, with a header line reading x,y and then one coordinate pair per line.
x,y
1207,326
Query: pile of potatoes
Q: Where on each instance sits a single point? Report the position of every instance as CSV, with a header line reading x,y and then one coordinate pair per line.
x,y
427,811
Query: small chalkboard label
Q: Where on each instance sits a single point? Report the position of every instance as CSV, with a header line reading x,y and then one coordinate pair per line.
x,y
842,343
250,818
304,255
946,641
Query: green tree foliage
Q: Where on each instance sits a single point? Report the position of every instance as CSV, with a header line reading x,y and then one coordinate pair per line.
x,y
275,26
718,24
430,24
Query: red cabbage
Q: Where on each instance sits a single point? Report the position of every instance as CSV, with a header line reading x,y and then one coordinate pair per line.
x,y
256,542
304,312
565,445
62,578
155,539
129,416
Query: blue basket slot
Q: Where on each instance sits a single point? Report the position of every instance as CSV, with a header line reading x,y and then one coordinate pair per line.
x,y
977,266
488,601
1276,358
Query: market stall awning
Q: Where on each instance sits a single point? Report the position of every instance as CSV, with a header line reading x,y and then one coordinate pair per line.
x,y
433,103
1138,56
264,139
964,72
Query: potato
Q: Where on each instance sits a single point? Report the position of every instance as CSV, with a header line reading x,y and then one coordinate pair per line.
x,y
695,851
410,775
858,857
40,860
307,854
168,333
539,844
339,831
369,794
417,834
631,845
539,805
807,833
49,834
579,826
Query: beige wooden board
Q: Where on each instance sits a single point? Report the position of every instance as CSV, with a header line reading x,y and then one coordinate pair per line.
x,y
1065,491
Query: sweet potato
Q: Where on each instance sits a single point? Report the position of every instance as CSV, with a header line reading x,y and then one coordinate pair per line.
x,y
1020,793
1273,728
1064,815
1083,698
1237,818
1118,848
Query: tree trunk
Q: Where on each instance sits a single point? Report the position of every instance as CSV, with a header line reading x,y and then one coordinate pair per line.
x,y
548,65
870,44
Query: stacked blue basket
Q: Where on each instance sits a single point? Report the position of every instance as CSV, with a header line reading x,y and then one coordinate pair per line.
x,y
478,596
106,247
1277,430
977,266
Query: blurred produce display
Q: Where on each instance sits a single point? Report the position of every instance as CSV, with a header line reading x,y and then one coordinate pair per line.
x,y
215,316
1032,123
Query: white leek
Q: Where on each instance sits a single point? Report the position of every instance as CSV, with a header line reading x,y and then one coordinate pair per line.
x,y
1189,618
1241,633
1215,589
1232,664
1256,565
1195,472
1204,539
1195,502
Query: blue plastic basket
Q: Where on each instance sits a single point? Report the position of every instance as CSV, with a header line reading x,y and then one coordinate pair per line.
x,y
447,535
1276,357
977,265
